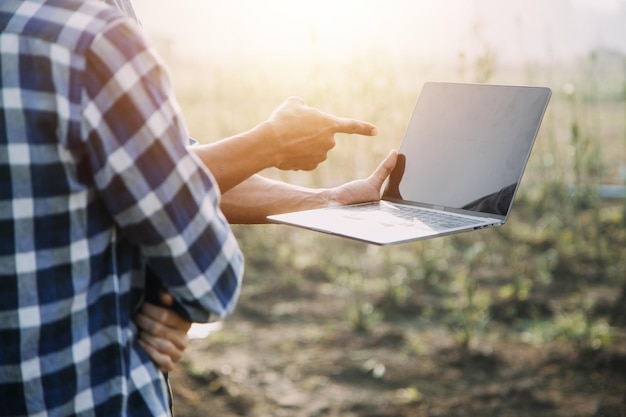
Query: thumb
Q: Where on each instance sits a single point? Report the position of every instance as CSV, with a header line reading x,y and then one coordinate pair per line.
x,y
166,298
384,169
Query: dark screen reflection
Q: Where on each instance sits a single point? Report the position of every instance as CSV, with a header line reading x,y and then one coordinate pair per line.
x,y
466,146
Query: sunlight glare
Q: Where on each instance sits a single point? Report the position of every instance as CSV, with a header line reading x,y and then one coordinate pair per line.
x,y
282,28
604,6
287,31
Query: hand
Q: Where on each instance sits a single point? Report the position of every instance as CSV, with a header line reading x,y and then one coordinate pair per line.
x,y
294,137
163,333
365,190
303,135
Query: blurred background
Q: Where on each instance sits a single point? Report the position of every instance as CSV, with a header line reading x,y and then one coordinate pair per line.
x,y
527,319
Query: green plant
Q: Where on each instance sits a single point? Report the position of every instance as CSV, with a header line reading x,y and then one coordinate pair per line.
x,y
580,328
468,307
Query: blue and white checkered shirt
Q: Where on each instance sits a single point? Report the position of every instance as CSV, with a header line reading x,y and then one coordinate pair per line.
x,y
96,185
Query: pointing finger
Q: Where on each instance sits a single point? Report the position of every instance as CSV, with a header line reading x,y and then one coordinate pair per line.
x,y
353,126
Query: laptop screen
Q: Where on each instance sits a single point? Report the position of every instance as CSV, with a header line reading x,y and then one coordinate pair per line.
x,y
467,145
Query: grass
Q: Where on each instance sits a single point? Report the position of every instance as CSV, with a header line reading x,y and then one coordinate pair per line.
x,y
489,317
558,241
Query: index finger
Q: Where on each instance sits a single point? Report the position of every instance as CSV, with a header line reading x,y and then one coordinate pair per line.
x,y
165,316
353,126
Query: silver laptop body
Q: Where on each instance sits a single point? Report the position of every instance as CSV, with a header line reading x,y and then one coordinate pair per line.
x,y
460,165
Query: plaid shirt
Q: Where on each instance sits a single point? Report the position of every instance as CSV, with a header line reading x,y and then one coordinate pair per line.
x,y
96,185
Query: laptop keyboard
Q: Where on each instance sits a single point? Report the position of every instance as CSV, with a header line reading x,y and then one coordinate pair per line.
x,y
409,216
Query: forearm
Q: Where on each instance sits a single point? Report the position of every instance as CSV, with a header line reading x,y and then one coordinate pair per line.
x,y
295,137
258,197
237,158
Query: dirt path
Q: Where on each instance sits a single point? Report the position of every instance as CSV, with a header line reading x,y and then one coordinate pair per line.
x,y
293,353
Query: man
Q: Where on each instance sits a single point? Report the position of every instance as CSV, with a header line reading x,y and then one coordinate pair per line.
x,y
96,185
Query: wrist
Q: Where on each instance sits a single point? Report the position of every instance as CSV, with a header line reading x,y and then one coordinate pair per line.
x,y
267,141
329,197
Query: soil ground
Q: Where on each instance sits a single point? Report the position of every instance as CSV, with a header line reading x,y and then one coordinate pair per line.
x,y
290,351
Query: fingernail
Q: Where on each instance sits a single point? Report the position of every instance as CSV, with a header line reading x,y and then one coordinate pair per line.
x,y
374,131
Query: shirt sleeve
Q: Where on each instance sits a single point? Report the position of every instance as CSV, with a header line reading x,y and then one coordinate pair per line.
x,y
159,194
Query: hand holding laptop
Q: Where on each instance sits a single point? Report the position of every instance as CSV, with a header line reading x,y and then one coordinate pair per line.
x,y
367,189
459,166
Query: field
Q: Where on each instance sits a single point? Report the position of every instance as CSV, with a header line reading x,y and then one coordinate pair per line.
x,y
524,320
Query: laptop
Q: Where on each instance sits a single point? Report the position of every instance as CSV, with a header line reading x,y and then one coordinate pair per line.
x,y
459,167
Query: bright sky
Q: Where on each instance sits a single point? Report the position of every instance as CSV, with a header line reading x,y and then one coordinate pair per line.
x,y
604,6
439,29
